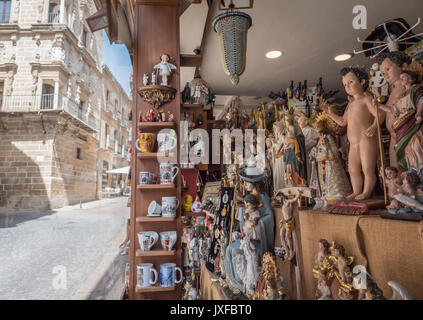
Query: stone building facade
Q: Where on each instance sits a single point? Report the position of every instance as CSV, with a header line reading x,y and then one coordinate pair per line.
x,y
51,104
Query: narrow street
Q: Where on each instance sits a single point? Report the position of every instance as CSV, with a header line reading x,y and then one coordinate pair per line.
x,y
63,253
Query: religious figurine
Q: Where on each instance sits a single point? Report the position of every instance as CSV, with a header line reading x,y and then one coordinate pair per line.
x,y
243,250
251,216
278,163
190,290
196,94
344,270
153,78
322,254
232,118
378,85
194,251
311,138
408,189
407,114
294,154
328,176
145,79
165,68
360,117
393,182
186,94
323,291
370,291
391,65
287,225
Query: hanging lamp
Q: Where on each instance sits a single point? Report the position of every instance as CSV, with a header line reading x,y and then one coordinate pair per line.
x,y
232,28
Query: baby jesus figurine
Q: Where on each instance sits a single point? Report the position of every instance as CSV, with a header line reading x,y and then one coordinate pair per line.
x,y
408,80
165,68
393,182
360,117
251,217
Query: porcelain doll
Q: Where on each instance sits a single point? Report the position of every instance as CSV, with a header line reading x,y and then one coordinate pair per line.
x,y
328,175
254,184
391,66
360,117
165,68
251,216
407,114
145,79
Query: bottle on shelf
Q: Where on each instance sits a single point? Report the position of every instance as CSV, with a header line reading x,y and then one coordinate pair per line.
x,y
304,90
298,91
291,90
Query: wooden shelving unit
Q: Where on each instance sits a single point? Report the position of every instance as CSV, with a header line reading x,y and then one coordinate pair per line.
x,y
153,155
193,214
147,219
155,253
156,125
156,187
192,106
153,289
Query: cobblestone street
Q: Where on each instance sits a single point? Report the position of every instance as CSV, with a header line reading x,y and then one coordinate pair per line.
x,y
52,255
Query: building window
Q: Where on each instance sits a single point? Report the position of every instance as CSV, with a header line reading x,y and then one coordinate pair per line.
x,y
53,13
80,109
84,37
1,92
105,176
79,153
106,136
47,96
5,11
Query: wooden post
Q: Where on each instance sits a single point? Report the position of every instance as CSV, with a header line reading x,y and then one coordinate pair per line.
x,y
156,32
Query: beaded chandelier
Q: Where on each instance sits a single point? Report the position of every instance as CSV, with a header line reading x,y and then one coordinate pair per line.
x,y
232,28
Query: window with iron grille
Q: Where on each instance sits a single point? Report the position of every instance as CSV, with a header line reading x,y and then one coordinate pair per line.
x,y
5,11
84,38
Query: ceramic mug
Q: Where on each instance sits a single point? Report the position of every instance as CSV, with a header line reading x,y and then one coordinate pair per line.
x,y
147,240
169,206
144,177
146,142
166,142
153,178
145,272
167,175
168,274
154,209
168,240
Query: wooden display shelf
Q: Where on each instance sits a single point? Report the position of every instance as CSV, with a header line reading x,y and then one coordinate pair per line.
x,y
193,214
191,106
156,125
154,289
155,219
155,253
156,186
153,155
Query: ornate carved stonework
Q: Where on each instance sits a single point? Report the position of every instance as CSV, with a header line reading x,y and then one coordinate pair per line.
x,y
157,95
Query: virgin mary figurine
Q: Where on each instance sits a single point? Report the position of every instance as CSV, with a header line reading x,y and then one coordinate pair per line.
x,y
328,176
236,264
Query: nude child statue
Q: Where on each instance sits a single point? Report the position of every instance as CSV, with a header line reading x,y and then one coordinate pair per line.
x,y
360,119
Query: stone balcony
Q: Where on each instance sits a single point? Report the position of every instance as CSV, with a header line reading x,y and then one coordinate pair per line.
x,y
49,103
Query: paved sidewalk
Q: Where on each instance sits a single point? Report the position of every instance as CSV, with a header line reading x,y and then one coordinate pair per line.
x,y
53,255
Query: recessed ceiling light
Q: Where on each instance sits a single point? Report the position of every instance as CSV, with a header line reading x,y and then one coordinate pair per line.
x,y
273,54
343,57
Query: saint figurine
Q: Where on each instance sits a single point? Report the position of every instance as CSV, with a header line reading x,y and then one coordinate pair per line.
x,y
311,138
328,175
294,154
278,163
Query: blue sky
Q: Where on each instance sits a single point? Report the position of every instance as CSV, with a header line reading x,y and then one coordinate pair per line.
x,y
116,57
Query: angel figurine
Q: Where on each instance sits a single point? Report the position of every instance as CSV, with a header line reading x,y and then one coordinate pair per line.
x,y
165,68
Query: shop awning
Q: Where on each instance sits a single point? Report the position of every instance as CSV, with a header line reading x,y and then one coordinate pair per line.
x,y
124,170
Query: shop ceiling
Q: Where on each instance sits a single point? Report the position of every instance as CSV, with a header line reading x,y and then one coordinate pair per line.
x,y
309,33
